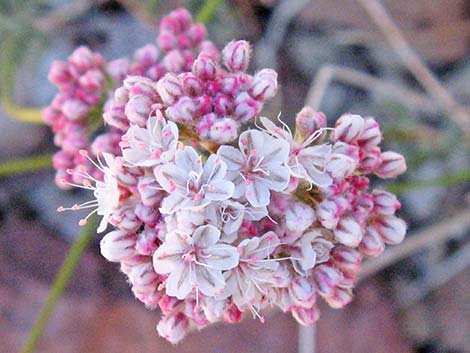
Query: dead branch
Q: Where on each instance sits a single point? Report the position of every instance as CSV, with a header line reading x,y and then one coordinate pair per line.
x,y
415,65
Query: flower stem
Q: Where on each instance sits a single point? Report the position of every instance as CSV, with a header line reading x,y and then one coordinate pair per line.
x,y
207,11
460,177
59,284
24,165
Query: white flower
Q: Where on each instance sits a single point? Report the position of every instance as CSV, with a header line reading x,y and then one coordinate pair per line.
x,y
257,167
190,184
106,191
194,262
228,216
255,274
310,249
304,162
150,146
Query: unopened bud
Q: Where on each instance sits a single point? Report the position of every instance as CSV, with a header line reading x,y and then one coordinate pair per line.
x,y
169,88
371,135
236,55
385,202
348,128
118,245
264,85
392,165
371,244
205,67
326,278
348,232
392,229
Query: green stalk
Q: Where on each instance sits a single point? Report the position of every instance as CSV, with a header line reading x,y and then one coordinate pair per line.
x,y
207,11
59,284
24,165
460,177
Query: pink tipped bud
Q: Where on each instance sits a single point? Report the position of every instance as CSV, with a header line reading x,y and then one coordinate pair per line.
x,y
138,109
118,69
223,104
183,111
167,40
83,59
197,33
192,85
236,55
307,121
143,277
348,232
183,16
264,85
126,219
371,135
209,48
392,229
174,61
340,166
92,80
306,317
385,203
205,67
118,245
224,131
246,107
147,214
371,243
348,128
147,55
173,327
59,73
392,165
147,242
328,212
326,278
302,292
339,298
346,259
169,88
74,109
370,160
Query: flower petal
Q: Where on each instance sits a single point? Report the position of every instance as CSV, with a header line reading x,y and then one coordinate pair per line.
x,y
231,156
257,193
219,190
206,236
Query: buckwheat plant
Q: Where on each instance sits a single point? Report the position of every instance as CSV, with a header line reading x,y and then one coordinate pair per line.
x,y
215,210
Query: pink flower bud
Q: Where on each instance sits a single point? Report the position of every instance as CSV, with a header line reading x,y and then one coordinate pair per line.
x,y
147,242
121,95
306,317
118,69
246,107
115,116
205,67
203,104
118,245
50,115
340,166
183,111
62,160
371,243
197,33
307,121
138,109
59,73
371,135
348,232
92,80
370,160
348,128
74,109
302,292
106,142
174,61
125,219
192,85
148,191
169,88
204,125
83,59
346,259
183,17
236,55
385,203
224,131
144,277
209,48
232,314
173,327
329,211
223,104
326,278
392,165
167,40
339,298
392,229
264,85
147,214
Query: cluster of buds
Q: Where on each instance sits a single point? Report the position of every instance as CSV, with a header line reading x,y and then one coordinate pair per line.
x,y
211,220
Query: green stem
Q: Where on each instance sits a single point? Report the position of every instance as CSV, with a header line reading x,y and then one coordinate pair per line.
x,y
460,177
207,11
59,284
24,165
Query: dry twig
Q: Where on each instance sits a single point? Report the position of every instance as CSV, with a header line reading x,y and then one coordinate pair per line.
x,y
359,79
414,64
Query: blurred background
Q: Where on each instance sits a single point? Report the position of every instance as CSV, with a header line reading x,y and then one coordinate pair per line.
x,y
337,55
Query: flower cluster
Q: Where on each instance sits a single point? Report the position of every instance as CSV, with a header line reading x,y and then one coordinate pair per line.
x,y
211,220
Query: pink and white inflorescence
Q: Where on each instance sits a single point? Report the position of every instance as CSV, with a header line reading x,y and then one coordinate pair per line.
x,y
213,215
